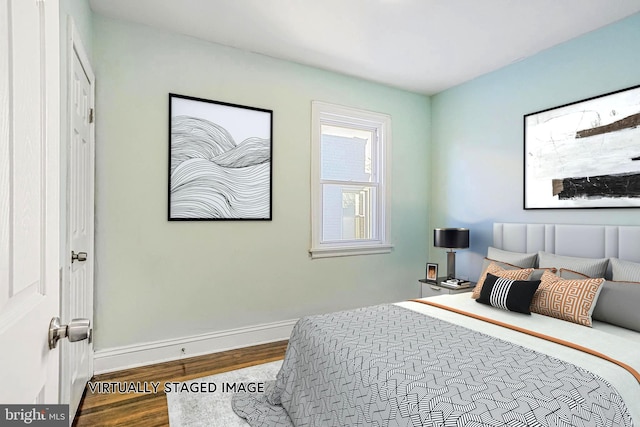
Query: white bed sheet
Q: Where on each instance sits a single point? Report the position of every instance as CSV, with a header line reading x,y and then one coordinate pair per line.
x,y
618,343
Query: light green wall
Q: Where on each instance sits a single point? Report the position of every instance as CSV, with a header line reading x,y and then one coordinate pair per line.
x,y
477,135
157,279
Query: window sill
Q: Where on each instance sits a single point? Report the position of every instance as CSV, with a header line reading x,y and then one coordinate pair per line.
x,y
350,251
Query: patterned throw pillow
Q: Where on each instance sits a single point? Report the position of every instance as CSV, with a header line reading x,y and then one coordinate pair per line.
x,y
617,303
570,300
493,268
507,294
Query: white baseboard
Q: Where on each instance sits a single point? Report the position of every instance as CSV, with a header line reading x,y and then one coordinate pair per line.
x,y
116,359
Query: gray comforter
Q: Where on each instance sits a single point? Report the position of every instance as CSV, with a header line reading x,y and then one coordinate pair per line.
x,y
390,366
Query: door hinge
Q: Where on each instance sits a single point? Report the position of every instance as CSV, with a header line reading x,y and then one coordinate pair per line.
x,y
90,115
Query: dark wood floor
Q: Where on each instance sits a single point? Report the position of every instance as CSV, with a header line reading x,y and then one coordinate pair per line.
x,y
150,409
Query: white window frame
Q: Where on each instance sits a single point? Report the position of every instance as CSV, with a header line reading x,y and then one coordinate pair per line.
x,y
323,113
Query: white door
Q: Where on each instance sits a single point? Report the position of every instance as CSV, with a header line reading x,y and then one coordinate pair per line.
x,y
29,199
77,291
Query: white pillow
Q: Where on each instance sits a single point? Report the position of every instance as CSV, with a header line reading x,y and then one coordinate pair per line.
x,y
519,259
592,267
624,271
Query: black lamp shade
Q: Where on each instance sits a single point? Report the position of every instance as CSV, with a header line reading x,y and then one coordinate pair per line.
x,y
451,238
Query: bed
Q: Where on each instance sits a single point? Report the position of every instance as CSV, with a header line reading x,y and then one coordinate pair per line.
x,y
449,361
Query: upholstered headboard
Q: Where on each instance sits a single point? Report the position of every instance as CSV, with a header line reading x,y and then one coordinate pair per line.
x,y
589,241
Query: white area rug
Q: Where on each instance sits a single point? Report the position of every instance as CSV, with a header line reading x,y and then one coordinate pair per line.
x,y
213,409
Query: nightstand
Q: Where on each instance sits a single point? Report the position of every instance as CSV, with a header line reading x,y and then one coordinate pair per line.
x,y
430,289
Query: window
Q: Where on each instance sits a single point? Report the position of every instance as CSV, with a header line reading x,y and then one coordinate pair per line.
x,y
350,169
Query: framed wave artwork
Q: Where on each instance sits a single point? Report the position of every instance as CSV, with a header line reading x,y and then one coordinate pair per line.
x,y
585,154
219,160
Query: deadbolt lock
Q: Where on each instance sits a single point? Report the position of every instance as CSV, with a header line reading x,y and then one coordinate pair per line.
x,y
80,256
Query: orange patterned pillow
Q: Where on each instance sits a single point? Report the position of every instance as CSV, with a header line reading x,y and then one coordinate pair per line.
x,y
493,268
571,300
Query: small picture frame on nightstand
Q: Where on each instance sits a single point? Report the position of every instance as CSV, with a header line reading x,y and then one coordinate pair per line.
x,y
432,272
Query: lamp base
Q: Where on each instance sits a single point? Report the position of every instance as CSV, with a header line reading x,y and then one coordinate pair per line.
x,y
451,264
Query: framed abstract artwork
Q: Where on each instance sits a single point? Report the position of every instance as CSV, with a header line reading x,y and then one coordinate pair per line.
x,y
219,160
585,154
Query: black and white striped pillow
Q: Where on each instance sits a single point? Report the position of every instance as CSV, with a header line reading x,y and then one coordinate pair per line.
x,y
507,294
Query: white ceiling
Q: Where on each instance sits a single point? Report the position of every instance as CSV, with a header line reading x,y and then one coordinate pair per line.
x,y
423,46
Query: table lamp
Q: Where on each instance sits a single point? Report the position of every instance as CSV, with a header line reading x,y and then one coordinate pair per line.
x,y
451,238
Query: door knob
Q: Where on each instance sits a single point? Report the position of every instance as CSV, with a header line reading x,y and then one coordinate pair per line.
x,y
76,330
80,256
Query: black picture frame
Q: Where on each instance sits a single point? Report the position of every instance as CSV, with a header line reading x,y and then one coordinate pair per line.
x,y
584,154
431,273
220,161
